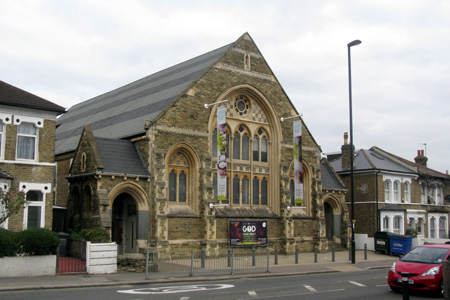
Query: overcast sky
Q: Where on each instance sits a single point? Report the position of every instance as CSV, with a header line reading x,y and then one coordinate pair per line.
x,y
71,51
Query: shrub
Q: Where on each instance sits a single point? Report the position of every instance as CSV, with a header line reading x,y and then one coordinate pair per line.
x,y
75,233
411,231
95,235
8,243
12,202
38,241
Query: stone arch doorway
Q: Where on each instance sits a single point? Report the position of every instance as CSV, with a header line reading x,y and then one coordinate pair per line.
x,y
329,224
129,211
333,219
124,230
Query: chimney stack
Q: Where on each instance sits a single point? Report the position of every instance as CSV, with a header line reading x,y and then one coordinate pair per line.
x,y
421,159
346,152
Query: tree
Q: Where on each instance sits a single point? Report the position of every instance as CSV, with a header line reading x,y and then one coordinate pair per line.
x,y
11,202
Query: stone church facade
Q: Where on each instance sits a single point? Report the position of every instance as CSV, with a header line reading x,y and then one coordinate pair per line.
x,y
141,160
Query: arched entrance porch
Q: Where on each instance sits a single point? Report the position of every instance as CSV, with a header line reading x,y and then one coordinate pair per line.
x,y
333,219
124,223
129,217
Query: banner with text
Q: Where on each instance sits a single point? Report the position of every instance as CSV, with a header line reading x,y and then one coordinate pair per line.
x,y
248,233
298,167
221,154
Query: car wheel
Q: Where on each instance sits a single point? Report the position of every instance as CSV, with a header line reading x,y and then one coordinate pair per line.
x,y
395,289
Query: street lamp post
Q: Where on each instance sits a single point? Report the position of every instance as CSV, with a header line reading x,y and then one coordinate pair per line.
x,y
352,193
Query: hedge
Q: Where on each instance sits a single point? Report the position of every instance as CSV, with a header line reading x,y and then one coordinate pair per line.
x,y
95,235
32,241
8,243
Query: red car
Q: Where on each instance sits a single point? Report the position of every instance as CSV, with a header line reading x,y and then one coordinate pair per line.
x,y
424,265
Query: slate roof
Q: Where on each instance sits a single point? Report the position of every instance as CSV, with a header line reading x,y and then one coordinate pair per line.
x,y
371,160
13,96
122,113
392,207
416,167
120,157
330,180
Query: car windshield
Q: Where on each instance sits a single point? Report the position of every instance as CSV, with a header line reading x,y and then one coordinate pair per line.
x,y
426,255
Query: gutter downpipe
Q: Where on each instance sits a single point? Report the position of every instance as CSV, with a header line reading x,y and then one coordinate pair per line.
x,y
376,200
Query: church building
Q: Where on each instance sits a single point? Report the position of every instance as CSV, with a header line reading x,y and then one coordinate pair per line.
x,y
142,161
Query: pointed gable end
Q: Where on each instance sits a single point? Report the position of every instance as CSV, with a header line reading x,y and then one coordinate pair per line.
x,y
87,157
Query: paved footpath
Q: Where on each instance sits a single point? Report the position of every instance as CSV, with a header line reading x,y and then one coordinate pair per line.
x,y
286,266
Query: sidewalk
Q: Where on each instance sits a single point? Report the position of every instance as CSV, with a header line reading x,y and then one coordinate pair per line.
x,y
286,266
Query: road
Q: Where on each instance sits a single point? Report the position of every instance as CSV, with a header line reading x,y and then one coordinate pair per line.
x,y
368,284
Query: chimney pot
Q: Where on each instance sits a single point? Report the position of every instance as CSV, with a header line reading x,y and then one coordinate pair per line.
x,y
421,159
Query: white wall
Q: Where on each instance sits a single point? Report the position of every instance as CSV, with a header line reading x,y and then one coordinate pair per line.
x,y
101,258
361,239
21,266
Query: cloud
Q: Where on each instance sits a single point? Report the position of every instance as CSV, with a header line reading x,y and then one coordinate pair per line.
x,y
70,51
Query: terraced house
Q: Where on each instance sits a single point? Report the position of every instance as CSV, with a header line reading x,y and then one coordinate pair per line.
x,y
27,154
394,194
141,160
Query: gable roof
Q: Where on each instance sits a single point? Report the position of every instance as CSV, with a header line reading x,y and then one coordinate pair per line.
x,y
366,160
330,180
13,96
414,166
122,113
120,157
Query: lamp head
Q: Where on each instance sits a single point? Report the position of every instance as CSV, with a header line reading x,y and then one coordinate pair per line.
x,y
354,43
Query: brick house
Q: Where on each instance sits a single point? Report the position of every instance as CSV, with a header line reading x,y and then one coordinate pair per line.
x,y
27,154
394,194
141,160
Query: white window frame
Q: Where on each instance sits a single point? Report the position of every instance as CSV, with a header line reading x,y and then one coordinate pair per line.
x,y
396,190
436,219
38,123
5,119
385,220
442,229
421,226
423,193
387,190
407,192
432,194
44,188
398,227
432,227
36,143
391,216
419,217
439,198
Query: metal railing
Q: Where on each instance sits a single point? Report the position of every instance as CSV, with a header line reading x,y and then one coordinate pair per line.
x,y
228,261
